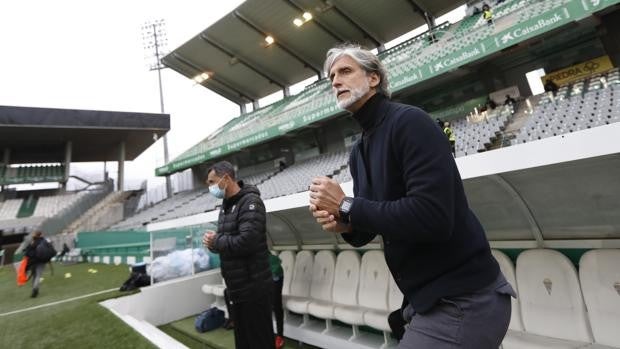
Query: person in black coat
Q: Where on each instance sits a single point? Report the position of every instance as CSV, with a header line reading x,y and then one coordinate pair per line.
x,y
35,266
241,242
407,188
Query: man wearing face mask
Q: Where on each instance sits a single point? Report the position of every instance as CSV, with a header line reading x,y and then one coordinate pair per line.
x,y
242,245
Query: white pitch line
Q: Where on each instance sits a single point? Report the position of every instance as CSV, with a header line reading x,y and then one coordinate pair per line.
x,y
58,302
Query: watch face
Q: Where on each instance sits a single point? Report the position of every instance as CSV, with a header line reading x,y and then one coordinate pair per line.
x,y
346,205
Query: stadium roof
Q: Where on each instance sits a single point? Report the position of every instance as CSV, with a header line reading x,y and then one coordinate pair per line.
x,y
40,134
242,67
415,64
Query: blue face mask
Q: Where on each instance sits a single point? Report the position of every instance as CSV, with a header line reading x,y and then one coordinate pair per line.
x,y
216,191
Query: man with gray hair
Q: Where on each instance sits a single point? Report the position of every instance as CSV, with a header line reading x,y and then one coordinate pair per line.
x,y
407,189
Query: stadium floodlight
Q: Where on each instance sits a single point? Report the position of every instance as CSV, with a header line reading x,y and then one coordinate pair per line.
x,y
155,42
306,16
155,48
269,40
201,77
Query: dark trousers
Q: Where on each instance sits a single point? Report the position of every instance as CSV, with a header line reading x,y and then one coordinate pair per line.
x,y
277,306
228,305
35,274
477,320
253,324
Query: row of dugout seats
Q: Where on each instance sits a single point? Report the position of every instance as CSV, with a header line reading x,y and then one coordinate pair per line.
x,y
358,291
557,306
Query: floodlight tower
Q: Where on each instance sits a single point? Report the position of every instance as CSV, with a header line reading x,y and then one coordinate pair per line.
x,y
155,48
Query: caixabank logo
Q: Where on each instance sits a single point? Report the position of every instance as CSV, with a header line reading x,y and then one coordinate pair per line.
x,y
457,59
532,28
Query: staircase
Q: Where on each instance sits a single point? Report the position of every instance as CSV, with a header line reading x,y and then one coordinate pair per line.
x,y
90,220
27,207
515,123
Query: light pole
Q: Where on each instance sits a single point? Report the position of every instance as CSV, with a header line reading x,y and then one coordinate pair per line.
x,y
155,42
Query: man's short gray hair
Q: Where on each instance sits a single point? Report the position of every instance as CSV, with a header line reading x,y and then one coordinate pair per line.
x,y
366,59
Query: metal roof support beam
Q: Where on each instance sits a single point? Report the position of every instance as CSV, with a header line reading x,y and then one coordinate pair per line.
x,y
68,152
316,21
121,166
252,67
220,81
426,15
280,44
294,230
525,209
357,25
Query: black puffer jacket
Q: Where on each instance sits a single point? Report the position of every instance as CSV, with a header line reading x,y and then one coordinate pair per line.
x,y
241,242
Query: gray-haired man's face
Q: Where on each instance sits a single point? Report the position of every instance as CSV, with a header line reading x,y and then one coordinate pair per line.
x,y
351,84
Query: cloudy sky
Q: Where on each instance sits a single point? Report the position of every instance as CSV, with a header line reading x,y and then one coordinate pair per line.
x,y
89,55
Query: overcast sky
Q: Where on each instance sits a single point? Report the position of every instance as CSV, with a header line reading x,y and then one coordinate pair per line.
x,y
89,55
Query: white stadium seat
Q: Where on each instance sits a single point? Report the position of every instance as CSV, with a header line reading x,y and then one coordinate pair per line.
x,y
288,263
599,271
218,290
346,284
379,319
322,285
508,269
553,311
299,297
372,292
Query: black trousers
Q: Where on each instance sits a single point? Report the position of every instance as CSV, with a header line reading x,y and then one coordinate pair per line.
x,y
277,306
253,324
278,311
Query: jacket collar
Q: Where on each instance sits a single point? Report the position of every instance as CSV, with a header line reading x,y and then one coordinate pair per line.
x,y
245,190
228,202
370,115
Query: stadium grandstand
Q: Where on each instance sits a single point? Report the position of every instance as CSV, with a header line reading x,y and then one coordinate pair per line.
x,y
540,168
40,144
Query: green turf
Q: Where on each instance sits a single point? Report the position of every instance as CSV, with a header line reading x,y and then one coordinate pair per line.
x,y
57,287
184,331
77,324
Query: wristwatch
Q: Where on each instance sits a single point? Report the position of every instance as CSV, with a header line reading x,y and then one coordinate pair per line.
x,y
345,210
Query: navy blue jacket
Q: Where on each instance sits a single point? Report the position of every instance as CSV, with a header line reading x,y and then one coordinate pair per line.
x,y
408,190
